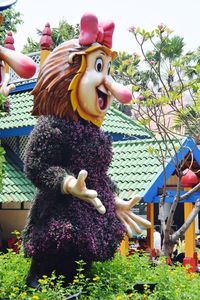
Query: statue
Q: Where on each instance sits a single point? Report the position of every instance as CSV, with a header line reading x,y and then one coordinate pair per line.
x,y
76,214
23,65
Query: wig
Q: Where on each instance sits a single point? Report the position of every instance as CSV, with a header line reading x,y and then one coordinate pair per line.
x,y
51,94
55,93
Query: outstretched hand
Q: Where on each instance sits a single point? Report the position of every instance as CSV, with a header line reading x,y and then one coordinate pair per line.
x,y
77,187
128,218
5,88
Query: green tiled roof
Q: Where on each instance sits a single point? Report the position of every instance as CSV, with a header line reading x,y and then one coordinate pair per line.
x,y
133,167
20,116
20,112
119,123
16,187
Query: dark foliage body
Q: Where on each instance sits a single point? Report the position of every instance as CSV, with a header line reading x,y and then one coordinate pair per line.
x,y
61,228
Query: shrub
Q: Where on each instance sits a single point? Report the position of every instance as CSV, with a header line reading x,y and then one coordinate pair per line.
x,y
111,280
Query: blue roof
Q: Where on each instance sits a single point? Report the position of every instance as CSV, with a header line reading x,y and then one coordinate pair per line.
x,y
150,193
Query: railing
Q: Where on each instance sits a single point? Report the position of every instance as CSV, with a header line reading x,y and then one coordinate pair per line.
x,y
14,78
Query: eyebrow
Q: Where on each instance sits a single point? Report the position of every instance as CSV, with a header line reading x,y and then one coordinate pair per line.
x,y
102,53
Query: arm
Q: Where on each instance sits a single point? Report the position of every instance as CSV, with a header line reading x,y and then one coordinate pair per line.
x,y
43,158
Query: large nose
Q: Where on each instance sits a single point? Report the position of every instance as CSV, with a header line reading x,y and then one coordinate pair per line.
x,y
120,92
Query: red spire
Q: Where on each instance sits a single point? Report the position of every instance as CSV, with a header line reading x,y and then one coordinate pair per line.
x,y
9,41
189,178
46,41
1,19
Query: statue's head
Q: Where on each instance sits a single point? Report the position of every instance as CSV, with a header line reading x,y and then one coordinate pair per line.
x,y
75,79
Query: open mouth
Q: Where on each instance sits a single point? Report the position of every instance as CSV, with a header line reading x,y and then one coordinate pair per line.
x,y
102,99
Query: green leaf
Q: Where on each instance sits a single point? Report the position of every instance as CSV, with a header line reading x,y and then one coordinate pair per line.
x,y
135,88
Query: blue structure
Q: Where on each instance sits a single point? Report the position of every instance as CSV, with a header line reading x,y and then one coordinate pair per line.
x,y
150,195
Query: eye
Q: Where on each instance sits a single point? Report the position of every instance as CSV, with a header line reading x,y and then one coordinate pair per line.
x,y
99,64
109,67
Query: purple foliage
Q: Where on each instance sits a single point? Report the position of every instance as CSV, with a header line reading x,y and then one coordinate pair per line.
x,y
58,222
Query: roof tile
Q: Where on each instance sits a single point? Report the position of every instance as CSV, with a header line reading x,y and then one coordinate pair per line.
x,y
114,123
16,187
133,167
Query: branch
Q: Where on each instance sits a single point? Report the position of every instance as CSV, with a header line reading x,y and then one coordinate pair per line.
x,y
175,236
190,192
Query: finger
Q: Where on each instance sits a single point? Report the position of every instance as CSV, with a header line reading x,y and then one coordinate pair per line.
x,y
132,224
139,220
99,205
89,193
6,79
129,230
96,202
11,87
81,179
134,201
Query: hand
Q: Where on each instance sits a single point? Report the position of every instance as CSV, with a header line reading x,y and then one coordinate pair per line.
x,y
77,188
128,218
5,88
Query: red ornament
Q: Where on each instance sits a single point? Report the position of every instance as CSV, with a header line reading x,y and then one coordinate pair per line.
x,y
9,41
46,41
189,178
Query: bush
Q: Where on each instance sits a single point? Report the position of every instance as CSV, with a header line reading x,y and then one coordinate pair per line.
x,y
111,280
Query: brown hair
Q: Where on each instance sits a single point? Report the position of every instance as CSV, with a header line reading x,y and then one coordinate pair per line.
x,y
51,95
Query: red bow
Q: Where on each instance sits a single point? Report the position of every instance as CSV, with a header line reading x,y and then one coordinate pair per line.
x,y
91,31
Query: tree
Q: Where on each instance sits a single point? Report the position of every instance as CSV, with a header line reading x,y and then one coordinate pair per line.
x,y
166,98
11,18
60,34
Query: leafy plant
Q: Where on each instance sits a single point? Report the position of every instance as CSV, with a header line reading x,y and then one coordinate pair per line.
x,y
11,18
165,87
109,280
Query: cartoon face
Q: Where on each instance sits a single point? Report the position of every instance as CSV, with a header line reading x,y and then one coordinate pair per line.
x,y
93,94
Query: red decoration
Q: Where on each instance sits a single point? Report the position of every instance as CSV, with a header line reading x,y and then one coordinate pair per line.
x,y
91,31
189,178
191,261
1,19
46,41
9,41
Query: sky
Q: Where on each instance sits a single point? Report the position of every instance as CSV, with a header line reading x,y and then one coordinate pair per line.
x,y
182,16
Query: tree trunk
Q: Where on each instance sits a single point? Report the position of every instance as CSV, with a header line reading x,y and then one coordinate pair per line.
x,y
170,240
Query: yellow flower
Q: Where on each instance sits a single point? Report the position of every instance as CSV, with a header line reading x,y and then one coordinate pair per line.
x,y
16,232
96,278
75,280
35,297
52,283
15,289
130,295
44,290
12,294
44,276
